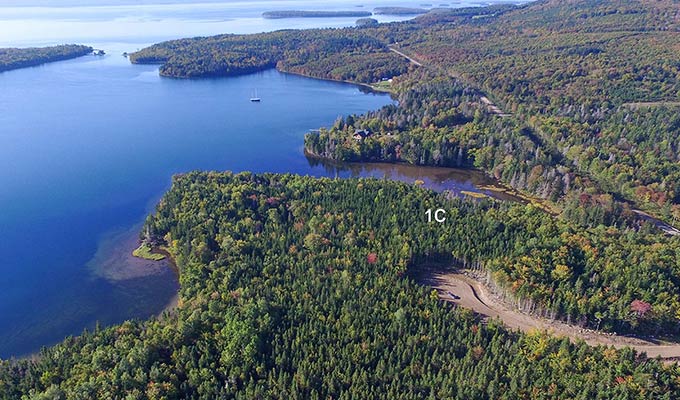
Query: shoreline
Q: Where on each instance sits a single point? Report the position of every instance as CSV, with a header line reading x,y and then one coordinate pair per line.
x,y
114,260
371,87
174,302
364,85
32,63
495,187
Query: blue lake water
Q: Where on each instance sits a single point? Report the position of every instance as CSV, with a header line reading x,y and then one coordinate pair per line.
x,y
88,146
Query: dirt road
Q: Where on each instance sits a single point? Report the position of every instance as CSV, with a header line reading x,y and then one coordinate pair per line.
x,y
666,228
473,295
406,57
493,108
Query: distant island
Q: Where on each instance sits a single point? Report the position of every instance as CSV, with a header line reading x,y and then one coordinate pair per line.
x,y
314,14
399,11
363,22
13,58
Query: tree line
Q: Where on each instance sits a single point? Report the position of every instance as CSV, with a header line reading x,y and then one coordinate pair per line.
x,y
14,58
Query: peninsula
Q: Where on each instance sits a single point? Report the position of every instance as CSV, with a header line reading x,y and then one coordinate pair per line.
x,y
14,58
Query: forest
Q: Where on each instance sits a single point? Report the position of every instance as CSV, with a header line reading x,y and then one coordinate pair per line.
x,y
12,58
588,93
568,73
295,287
346,55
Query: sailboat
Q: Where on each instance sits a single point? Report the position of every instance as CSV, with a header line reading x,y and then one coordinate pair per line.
x,y
254,98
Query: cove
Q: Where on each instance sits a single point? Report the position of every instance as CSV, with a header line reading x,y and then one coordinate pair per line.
x,y
87,148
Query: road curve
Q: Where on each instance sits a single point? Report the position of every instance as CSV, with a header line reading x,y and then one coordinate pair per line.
x,y
666,228
473,295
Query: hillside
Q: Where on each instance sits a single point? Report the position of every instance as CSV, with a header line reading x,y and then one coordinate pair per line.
x,y
567,71
569,79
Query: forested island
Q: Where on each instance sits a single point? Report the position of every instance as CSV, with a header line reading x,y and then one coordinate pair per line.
x,y
399,11
13,58
362,22
295,287
314,14
302,288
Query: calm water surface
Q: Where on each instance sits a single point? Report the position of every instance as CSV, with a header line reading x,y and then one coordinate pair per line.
x,y
88,146
28,22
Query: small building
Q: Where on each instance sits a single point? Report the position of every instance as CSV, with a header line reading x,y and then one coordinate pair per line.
x,y
361,134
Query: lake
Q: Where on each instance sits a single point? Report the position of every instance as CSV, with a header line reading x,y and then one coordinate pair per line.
x,y
88,146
